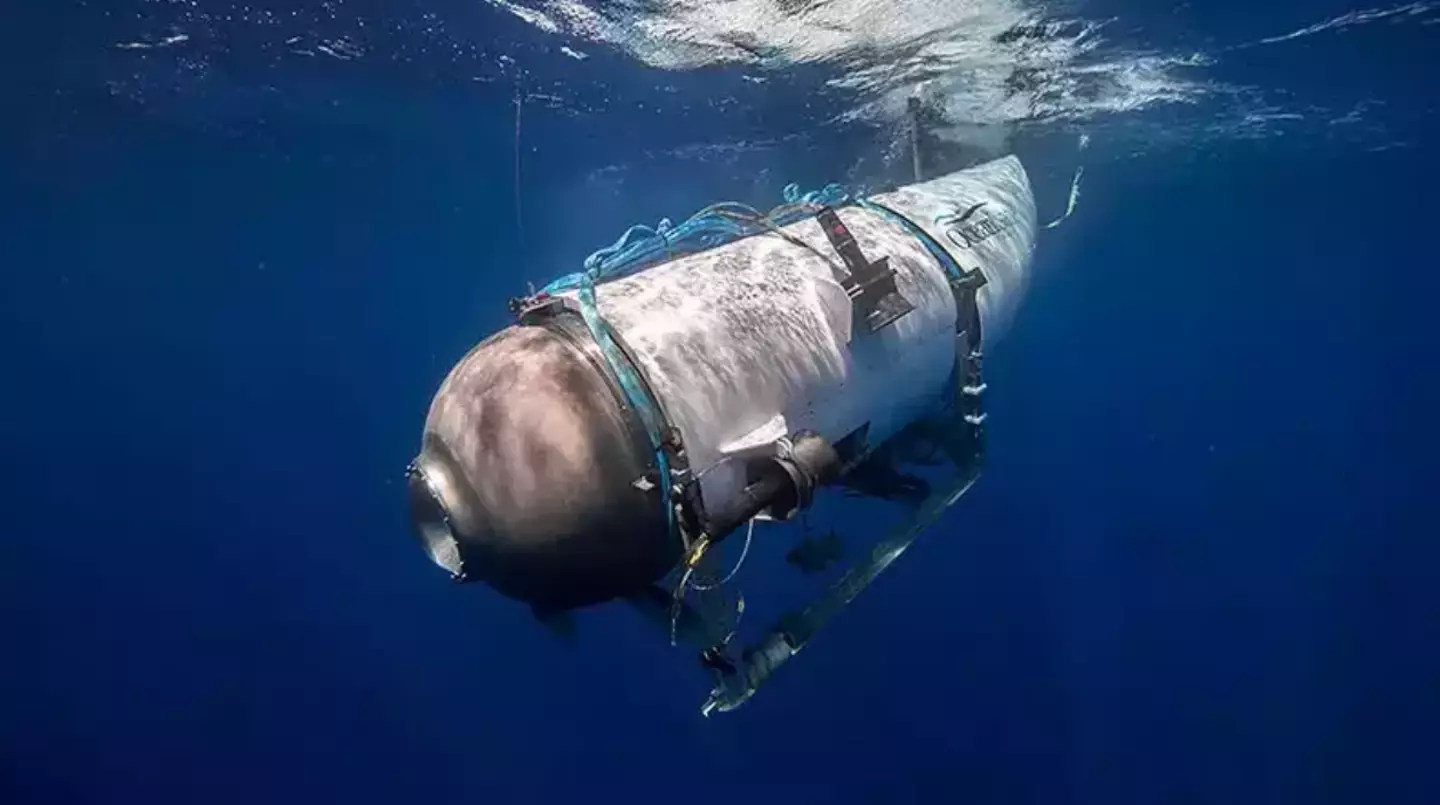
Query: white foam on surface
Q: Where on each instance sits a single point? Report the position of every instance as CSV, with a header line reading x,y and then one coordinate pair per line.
x,y
174,39
989,65
968,50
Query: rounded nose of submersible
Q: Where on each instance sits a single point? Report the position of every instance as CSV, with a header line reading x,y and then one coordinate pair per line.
x,y
525,477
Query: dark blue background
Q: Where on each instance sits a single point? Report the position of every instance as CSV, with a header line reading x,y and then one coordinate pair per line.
x,y
1200,569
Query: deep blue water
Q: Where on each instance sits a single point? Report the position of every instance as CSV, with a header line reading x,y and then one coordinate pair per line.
x,y
1201,567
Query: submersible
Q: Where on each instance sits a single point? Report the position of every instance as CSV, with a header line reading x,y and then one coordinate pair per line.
x,y
683,385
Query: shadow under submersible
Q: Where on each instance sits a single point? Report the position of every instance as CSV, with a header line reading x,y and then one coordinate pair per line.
x,y
734,368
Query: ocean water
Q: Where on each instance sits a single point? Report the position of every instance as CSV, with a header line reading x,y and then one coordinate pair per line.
x,y
241,244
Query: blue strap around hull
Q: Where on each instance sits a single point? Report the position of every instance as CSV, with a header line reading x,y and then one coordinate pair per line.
x,y
952,268
637,394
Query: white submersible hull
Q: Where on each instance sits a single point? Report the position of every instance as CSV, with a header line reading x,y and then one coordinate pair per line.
x,y
631,418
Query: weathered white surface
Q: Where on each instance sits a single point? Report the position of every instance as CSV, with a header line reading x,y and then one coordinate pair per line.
x,y
1007,210
751,341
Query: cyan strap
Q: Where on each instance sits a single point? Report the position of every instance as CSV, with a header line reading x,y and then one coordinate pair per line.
x,y
637,393
947,262
642,246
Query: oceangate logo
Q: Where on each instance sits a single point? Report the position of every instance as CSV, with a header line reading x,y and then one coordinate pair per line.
x,y
965,229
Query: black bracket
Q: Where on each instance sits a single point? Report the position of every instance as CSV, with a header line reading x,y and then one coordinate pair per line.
x,y
967,312
531,309
970,383
871,286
